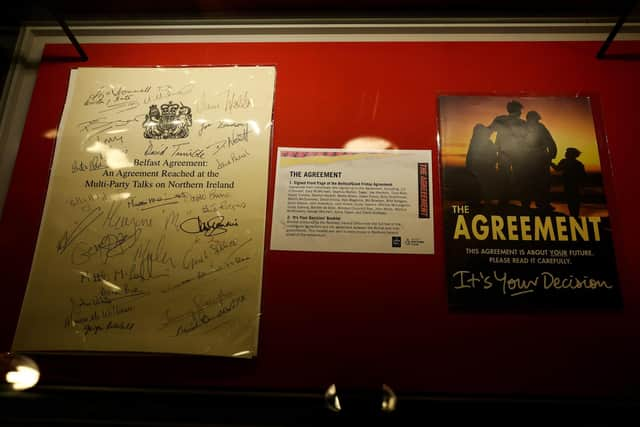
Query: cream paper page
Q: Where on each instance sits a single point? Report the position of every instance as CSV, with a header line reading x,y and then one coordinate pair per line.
x,y
152,236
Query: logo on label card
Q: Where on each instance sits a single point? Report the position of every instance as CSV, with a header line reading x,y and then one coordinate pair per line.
x,y
413,241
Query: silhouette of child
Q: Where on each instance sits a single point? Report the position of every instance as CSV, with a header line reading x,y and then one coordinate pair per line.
x,y
573,175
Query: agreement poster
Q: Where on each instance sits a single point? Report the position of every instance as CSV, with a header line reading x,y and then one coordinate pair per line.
x,y
525,215
152,234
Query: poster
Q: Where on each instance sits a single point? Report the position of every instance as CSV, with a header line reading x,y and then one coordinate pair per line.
x,y
336,200
152,234
525,215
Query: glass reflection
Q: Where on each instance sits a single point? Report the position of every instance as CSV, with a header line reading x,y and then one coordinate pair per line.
x,y
120,196
115,158
19,372
113,287
50,134
253,125
389,399
365,143
331,398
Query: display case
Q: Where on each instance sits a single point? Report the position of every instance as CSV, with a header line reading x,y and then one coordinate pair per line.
x,y
341,336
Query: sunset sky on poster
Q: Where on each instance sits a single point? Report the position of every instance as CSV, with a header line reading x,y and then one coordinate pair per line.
x,y
568,119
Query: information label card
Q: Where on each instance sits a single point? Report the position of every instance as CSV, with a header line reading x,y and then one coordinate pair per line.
x,y
352,201
153,229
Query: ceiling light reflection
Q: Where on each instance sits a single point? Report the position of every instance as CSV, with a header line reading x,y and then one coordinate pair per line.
x,y
115,158
331,398
111,286
120,196
23,378
18,372
365,143
253,125
50,134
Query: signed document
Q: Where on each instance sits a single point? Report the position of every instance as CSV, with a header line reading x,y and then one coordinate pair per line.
x,y
152,236
353,201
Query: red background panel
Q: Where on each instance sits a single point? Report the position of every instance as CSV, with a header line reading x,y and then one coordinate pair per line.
x,y
359,320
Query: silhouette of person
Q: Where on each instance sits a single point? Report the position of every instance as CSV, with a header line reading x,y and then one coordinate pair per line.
x,y
481,161
573,176
541,150
510,133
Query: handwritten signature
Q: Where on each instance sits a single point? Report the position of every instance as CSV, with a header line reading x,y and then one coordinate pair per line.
x,y
210,227
69,236
146,258
166,91
110,245
233,260
155,202
106,297
96,163
120,107
113,96
204,311
96,328
101,124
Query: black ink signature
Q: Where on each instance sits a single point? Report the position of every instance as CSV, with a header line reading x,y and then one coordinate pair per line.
x,y
92,165
231,124
114,95
235,101
230,261
115,139
200,318
155,202
166,91
211,227
95,329
153,151
204,311
109,246
192,152
69,236
101,124
142,269
200,302
202,103
117,221
218,146
120,107
107,297
146,257
230,141
203,127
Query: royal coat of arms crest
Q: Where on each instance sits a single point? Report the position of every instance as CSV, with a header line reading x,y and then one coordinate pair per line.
x,y
170,121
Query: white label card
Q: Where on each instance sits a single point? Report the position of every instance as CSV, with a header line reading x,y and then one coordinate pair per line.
x,y
335,200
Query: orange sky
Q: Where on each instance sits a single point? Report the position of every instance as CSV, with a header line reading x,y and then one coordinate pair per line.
x,y
568,119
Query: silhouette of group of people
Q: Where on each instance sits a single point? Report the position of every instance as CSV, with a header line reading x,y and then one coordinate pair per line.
x,y
518,165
